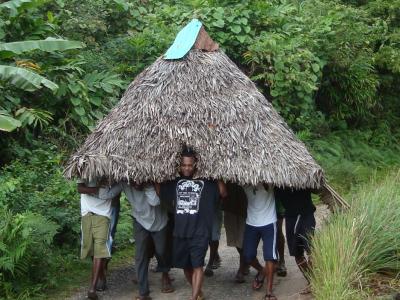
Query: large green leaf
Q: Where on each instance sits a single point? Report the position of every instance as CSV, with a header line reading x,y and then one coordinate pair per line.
x,y
34,117
13,5
25,79
8,123
48,45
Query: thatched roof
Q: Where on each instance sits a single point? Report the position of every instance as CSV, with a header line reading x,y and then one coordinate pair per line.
x,y
204,101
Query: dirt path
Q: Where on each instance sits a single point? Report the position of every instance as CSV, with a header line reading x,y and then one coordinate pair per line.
x,y
220,286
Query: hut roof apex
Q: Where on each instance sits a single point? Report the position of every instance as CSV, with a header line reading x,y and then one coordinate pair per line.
x,y
193,35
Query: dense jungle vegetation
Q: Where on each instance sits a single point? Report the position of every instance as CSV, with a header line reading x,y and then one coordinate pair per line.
x,y
330,67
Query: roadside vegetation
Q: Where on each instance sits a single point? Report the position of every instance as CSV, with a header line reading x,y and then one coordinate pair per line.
x,y
355,246
331,68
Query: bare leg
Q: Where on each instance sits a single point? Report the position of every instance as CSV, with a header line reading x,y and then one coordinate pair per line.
x,y
102,275
165,277
281,268
303,265
166,283
260,277
256,265
93,269
191,278
213,252
197,282
213,255
281,242
106,265
269,270
189,275
242,266
98,266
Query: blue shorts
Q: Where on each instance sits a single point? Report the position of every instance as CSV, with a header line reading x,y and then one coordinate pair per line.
x,y
251,239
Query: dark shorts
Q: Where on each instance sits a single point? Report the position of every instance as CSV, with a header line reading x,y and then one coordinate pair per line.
x,y
251,239
189,253
298,231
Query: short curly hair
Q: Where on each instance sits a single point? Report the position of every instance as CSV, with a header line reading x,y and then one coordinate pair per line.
x,y
188,152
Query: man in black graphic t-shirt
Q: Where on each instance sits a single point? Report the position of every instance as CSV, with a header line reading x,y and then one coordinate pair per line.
x,y
194,202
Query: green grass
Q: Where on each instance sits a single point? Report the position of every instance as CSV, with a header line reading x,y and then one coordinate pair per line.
x,y
78,274
355,245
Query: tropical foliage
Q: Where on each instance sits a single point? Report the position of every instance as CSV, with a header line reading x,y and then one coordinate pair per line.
x,y
24,239
331,68
24,74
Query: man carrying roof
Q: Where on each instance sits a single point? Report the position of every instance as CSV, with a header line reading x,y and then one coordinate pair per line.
x,y
194,202
300,225
261,224
150,223
96,214
214,261
280,213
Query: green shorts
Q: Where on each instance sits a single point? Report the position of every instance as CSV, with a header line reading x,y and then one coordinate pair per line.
x,y
95,230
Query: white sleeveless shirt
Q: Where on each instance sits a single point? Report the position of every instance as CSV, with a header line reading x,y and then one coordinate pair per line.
x,y
261,205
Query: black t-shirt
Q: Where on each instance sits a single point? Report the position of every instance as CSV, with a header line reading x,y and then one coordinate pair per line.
x,y
295,202
194,203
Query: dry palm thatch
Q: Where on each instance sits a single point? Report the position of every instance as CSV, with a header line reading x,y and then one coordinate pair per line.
x,y
206,102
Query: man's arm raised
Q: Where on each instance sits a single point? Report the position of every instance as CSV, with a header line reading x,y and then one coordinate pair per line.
x,y
84,189
223,191
157,187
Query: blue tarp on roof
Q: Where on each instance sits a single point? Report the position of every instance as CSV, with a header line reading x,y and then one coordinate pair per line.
x,y
184,41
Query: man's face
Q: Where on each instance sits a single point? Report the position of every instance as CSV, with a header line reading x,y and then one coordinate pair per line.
x,y
187,166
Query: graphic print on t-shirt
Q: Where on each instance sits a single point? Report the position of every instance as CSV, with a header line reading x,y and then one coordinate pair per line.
x,y
188,193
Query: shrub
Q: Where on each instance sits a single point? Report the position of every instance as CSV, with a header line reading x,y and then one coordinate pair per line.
x,y
35,183
25,241
350,157
358,243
